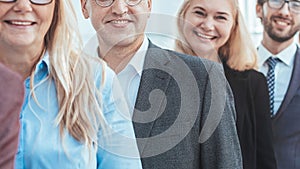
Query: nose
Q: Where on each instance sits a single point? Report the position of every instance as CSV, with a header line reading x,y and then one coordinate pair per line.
x,y
284,10
207,24
22,6
119,7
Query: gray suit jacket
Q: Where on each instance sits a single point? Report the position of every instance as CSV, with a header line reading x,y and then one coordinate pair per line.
x,y
286,123
184,115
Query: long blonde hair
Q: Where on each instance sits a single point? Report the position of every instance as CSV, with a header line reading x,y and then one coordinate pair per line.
x,y
78,96
239,51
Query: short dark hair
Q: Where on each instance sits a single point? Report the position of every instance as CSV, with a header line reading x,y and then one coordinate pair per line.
x,y
261,2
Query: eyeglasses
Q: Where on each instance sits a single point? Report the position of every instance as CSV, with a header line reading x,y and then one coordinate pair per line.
x,y
294,5
107,3
36,2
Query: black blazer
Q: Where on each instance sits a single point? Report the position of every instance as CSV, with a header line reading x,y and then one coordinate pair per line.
x,y
253,117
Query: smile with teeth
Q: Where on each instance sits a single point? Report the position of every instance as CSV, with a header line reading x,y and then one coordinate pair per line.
x,y
119,21
204,36
20,23
281,23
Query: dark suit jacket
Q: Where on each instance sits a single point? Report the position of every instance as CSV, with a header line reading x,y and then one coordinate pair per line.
x,y
179,122
11,98
253,117
286,123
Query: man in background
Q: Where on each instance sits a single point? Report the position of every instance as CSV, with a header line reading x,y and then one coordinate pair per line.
x,y
279,60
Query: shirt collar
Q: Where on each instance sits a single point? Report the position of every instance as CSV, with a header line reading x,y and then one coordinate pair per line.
x,y
286,56
43,63
137,61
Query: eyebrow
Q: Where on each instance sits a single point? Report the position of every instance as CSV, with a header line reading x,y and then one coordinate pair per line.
x,y
221,13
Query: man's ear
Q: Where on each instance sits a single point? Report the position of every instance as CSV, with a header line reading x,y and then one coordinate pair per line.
x,y
259,10
84,10
149,5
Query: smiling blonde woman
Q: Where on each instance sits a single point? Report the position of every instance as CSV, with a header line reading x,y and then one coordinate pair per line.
x,y
218,33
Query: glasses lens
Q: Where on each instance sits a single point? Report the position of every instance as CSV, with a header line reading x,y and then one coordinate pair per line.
x,y
295,6
104,3
133,2
7,0
37,2
41,2
276,3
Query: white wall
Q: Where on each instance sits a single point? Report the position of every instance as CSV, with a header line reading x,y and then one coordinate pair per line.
x,y
85,27
161,26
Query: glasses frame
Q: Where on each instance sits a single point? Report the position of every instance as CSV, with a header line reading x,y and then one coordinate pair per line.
x,y
110,2
289,2
31,1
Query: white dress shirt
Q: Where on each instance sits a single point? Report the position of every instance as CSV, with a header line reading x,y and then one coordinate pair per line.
x,y
130,76
128,80
283,70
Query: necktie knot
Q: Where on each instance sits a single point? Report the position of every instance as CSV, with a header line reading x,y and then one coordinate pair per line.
x,y
272,62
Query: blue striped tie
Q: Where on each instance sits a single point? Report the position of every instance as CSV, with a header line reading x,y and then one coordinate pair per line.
x,y
271,81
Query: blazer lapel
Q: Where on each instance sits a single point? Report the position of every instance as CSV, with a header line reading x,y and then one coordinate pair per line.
x,y
238,82
294,84
150,103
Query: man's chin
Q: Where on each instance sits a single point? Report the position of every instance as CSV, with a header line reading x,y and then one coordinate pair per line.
x,y
281,37
123,41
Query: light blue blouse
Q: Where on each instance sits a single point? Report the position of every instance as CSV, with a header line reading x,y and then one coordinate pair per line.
x,y
41,146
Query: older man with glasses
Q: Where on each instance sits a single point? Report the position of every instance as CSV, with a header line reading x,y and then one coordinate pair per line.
x,y
183,114
279,60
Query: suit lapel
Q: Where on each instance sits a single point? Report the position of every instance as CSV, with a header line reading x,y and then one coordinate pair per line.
x,y
294,84
149,106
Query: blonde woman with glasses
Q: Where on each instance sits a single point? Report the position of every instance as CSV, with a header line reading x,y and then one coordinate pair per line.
x,y
68,118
